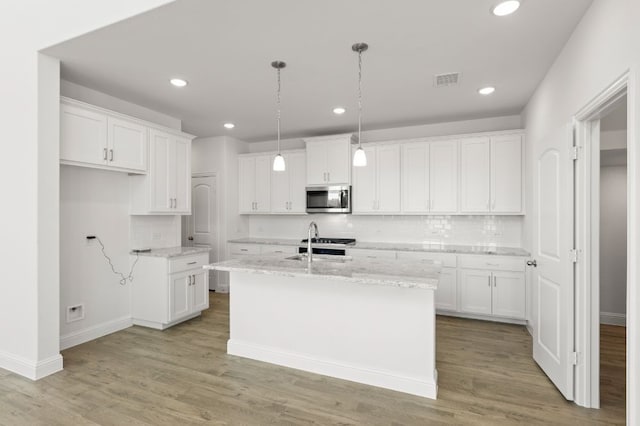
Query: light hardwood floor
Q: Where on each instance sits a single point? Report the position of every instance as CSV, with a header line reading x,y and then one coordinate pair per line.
x,y
183,376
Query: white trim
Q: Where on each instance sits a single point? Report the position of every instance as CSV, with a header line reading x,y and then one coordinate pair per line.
x,y
612,318
82,336
491,318
29,369
426,387
162,325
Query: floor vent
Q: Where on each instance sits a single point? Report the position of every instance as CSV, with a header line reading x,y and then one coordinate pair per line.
x,y
448,79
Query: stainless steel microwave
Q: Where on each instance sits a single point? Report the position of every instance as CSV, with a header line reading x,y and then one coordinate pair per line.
x,y
329,199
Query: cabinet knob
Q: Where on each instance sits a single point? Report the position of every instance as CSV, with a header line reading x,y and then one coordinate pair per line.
x,y
532,263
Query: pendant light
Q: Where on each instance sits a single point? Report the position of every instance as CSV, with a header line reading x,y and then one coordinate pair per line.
x,y
278,161
359,158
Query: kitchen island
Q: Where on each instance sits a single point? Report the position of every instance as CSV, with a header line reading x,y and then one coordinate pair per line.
x,y
371,322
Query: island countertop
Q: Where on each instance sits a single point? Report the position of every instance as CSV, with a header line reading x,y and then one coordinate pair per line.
x,y
395,273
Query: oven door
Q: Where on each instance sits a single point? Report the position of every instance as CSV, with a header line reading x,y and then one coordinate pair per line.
x,y
328,199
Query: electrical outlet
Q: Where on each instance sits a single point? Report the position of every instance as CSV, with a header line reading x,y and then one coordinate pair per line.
x,y
75,313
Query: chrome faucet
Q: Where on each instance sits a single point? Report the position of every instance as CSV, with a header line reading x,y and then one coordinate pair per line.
x,y
309,247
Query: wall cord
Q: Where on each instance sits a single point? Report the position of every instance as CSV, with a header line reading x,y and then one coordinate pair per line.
x,y
123,279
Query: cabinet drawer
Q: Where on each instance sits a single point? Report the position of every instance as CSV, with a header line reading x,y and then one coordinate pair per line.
x,y
447,259
267,249
371,254
242,249
188,262
494,263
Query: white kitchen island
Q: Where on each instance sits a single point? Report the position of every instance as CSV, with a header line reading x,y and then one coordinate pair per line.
x,y
371,322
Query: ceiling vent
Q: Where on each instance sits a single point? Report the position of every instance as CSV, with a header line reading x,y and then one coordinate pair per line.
x,y
448,79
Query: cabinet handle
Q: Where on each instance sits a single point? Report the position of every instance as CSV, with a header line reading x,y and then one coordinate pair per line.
x,y
110,155
489,281
189,283
495,283
244,249
192,263
328,176
193,282
104,154
493,204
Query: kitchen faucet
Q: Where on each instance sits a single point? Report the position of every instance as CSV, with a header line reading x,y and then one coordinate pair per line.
x,y
309,247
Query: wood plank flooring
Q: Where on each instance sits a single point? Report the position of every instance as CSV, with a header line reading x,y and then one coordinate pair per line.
x,y
183,376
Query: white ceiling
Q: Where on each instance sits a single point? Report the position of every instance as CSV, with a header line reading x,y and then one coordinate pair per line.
x,y
224,49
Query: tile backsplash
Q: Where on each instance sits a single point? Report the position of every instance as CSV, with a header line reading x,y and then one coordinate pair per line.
x,y
477,230
154,231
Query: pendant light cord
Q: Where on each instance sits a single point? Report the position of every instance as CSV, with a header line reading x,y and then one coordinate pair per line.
x,y
359,98
278,115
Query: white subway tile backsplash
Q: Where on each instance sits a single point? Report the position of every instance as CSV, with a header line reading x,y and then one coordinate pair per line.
x,y
155,231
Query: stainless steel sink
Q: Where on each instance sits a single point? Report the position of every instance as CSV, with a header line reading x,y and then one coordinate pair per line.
x,y
320,258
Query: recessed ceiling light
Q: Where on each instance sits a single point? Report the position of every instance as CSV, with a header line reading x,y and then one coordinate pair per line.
x,y
506,8
229,125
178,82
339,110
487,90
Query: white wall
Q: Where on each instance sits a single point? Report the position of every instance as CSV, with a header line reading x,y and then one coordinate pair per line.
x,y
613,241
29,337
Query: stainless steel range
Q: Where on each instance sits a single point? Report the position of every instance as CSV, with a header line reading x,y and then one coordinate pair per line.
x,y
328,246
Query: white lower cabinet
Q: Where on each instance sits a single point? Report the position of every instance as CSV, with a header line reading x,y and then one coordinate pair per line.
x,y
169,291
475,291
237,250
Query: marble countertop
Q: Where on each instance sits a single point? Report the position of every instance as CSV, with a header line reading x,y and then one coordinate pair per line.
x,y
394,273
174,252
420,247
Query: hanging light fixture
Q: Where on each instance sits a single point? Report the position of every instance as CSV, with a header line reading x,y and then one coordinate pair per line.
x,y
359,158
278,161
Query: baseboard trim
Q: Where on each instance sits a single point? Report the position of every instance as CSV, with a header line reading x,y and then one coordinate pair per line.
x,y
29,369
612,318
481,317
424,388
82,336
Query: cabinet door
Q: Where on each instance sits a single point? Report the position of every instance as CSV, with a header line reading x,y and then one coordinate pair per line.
x,y
339,161
280,187
127,144
506,174
182,175
364,194
296,164
160,171
415,178
179,296
475,291
246,184
388,178
199,291
263,184
475,160
443,171
83,135
447,292
316,163
509,294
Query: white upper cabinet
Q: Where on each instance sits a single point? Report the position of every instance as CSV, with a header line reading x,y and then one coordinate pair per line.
x,y
91,137
475,175
254,183
376,186
506,174
329,160
430,177
288,187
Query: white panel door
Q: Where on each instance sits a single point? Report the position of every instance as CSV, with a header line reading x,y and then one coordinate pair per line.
x,y
388,178
83,135
506,174
553,279
338,161
201,227
127,144
263,184
475,175
246,184
443,171
199,291
365,194
296,165
509,294
280,183
316,163
160,171
415,178
179,295
182,173
446,296
475,291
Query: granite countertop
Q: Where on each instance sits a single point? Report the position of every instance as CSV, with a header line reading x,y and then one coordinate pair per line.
x,y
420,247
394,273
174,252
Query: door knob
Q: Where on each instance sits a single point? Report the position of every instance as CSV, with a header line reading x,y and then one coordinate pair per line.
x,y
532,263
190,238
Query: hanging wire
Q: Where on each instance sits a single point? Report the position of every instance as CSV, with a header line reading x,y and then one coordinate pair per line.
x,y
123,279
359,97
278,103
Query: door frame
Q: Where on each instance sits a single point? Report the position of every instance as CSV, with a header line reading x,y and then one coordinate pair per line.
x,y
587,295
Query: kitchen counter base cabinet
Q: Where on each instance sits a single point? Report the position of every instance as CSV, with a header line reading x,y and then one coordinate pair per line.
x,y
373,334
169,291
